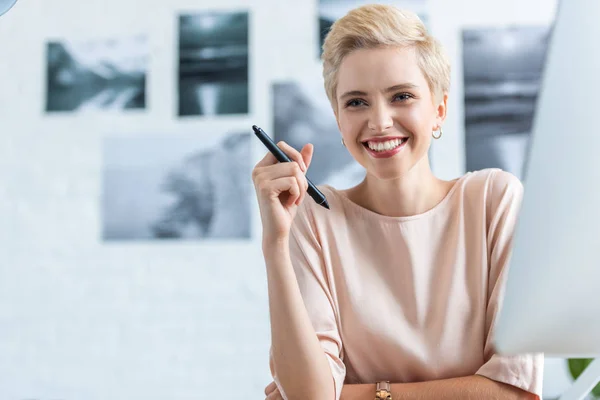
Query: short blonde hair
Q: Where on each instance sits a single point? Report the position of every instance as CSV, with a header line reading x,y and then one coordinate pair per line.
x,y
378,25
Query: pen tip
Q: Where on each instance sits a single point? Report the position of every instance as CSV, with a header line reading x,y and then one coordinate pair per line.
x,y
255,127
325,204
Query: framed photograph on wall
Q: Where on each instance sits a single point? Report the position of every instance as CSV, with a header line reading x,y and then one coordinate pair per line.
x,y
96,75
213,63
176,187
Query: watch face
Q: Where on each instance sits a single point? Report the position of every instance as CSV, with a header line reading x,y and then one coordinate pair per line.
x,y
382,394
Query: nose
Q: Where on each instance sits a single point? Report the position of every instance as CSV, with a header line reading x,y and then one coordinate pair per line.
x,y
380,118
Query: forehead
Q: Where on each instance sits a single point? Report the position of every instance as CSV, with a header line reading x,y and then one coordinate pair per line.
x,y
368,69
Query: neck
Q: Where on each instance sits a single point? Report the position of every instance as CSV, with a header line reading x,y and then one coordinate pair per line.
x,y
414,193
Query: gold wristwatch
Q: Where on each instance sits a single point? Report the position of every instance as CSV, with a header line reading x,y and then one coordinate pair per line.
x,y
383,391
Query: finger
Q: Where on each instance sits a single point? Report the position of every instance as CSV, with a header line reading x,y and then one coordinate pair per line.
x,y
270,388
274,396
307,154
295,193
303,185
298,174
282,170
268,159
294,170
273,188
278,170
292,153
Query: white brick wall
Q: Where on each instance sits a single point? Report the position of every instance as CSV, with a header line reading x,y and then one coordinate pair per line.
x,y
81,319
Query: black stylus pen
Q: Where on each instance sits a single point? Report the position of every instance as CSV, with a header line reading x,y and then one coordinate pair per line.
x,y
282,157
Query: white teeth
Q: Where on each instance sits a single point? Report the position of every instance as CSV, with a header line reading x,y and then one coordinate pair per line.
x,y
384,146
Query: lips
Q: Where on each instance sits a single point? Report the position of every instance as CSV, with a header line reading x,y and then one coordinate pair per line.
x,y
379,139
385,153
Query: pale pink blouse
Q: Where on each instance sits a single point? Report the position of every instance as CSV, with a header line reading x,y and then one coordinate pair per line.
x,y
411,299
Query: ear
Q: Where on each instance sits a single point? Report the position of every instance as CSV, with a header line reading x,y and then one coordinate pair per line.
x,y
441,109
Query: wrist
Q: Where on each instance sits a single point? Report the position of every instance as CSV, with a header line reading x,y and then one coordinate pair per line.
x,y
275,245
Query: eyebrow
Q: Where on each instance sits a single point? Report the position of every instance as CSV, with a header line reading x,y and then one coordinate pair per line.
x,y
390,89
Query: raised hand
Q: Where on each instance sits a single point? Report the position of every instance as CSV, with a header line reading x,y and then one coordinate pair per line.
x,y
280,188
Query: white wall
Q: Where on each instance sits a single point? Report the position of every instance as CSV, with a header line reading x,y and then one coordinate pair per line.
x,y
81,319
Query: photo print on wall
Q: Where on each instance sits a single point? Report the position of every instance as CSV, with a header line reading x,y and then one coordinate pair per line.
x,y
502,72
332,10
96,74
176,187
213,63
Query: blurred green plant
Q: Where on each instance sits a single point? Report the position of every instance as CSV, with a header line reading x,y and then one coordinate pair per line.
x,y
577,366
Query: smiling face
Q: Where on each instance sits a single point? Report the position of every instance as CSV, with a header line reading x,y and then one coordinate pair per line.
x,y
385,110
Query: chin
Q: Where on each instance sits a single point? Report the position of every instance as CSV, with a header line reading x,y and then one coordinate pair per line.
x,y
390,173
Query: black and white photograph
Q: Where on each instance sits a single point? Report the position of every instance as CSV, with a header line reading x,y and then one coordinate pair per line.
x,y
213,63
502,73
302,114
332,10
103,74
176,187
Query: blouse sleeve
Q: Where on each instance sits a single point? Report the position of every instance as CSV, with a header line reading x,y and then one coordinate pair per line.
x,y
313,281
524,371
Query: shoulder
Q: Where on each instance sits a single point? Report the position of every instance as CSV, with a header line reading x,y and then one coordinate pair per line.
x,y
506,190
505,182
501,194
494,184
494,192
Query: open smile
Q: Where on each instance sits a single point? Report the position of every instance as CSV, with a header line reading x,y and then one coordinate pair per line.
x,y
385,148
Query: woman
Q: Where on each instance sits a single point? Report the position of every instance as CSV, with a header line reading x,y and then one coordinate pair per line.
x,y
402,278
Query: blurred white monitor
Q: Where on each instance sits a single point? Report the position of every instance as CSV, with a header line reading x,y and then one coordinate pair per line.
x,y
552,299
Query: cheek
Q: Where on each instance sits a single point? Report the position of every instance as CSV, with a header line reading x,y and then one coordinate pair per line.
x,y
418,122
347,125
347,117
416,119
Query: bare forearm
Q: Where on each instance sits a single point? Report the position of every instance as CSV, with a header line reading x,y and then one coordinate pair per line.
x,y
299,360
473,387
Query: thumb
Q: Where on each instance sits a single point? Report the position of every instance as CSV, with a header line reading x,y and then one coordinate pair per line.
x,y
307,154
